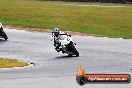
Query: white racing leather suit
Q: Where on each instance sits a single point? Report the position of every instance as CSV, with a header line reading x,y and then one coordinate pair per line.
x,y
56,40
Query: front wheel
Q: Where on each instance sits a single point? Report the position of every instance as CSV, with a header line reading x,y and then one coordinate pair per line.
x,y
73,50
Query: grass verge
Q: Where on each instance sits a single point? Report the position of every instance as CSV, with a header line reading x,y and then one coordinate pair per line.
x,y
10,63
102,21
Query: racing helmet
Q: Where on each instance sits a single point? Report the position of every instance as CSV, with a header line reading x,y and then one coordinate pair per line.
x,y
1,26
56,32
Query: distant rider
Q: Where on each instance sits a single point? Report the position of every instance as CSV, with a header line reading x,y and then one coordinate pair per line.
x,y
2,33
1,27
55,37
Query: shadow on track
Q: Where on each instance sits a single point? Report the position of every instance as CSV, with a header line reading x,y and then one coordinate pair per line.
x,y
65,57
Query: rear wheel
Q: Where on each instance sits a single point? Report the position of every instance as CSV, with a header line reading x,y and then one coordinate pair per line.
x,y
70,55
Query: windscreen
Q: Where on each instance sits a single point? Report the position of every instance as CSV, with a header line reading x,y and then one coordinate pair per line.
x,y
62,37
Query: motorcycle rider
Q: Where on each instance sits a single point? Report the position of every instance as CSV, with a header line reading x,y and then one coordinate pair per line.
x,y
55,37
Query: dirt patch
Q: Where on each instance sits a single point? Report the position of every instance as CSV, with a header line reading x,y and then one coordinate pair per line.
x,y
28,28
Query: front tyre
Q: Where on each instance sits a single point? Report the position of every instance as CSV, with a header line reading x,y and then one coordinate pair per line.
x,y
73,50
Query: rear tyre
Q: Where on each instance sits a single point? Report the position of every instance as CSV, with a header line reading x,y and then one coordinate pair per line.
x,y
70,55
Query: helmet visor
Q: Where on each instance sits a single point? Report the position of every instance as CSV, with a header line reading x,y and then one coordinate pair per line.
x,y
56,33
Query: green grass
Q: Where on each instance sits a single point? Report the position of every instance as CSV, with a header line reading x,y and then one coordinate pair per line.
x,y
10,63
111,22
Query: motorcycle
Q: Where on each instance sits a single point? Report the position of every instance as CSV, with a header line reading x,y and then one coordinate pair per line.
x,y
67,45
3,34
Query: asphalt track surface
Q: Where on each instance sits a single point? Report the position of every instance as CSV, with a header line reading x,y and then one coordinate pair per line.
x,y
56,70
